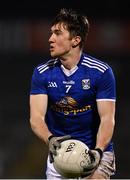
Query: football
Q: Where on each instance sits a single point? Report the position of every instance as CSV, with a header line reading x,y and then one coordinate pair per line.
x,y
71,158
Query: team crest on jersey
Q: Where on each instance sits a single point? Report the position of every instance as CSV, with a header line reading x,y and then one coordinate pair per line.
x,y
86,83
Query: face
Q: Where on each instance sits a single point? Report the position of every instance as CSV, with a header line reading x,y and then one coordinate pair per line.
x,y
60,41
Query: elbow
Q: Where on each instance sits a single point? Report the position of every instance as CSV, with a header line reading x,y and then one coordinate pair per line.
x,y
32,124
113,122
36,122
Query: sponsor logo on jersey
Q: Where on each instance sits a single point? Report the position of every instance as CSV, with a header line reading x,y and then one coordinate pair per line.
x,y
69,105
68,102
86,83
52,84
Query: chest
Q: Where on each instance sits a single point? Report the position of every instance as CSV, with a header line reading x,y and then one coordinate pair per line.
x,y
80,86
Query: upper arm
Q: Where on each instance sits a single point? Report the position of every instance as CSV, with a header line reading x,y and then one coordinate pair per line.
x,y
106,95
106,86
38,95
38,105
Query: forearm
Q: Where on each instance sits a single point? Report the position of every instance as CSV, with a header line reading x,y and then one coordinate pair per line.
x,y
40,128
105,133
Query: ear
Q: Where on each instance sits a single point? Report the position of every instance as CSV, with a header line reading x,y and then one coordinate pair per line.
x,y
76,40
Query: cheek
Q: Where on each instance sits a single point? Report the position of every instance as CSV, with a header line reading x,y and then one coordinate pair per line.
x,y
61,41
64,44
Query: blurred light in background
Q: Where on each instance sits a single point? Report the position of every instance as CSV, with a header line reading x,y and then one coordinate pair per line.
x,y
32,37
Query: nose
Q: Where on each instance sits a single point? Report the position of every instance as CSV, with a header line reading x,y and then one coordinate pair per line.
x,y
51,39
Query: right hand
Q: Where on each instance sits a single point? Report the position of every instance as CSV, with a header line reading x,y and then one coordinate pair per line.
x,y
54,142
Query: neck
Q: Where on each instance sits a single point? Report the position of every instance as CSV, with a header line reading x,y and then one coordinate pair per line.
x,y
71,61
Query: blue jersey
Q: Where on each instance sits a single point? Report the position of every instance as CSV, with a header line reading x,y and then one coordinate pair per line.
x,y
72,96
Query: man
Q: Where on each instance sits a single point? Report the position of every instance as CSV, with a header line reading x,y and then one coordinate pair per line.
x,y
73,96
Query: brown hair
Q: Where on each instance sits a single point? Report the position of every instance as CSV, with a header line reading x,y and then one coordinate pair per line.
x,y
75,23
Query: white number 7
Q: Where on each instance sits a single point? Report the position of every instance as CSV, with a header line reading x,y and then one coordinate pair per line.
x,y
68,88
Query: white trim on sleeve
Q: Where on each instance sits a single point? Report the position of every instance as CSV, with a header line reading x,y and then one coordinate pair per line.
x,y
106,100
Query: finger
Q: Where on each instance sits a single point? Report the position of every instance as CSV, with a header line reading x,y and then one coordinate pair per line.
x,y
92,155
56,145
96,156
53,150
90,167
87,172
51,158
63,138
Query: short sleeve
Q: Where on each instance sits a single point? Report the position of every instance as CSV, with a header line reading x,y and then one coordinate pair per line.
x,y
38,83
106,86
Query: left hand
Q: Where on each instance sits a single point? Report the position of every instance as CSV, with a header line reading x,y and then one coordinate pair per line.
x,y
95,157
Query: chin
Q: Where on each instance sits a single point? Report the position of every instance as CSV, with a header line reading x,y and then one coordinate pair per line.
x,y
54,55
57,55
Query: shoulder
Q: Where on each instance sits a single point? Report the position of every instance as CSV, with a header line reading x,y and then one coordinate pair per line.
x,y
43,67
94,64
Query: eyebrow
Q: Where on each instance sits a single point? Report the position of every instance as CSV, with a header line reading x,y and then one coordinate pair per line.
x,y
55,31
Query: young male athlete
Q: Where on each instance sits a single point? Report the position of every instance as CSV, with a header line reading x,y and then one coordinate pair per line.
x,y
73,96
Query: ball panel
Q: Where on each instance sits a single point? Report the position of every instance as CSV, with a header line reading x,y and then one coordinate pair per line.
x,y
70,158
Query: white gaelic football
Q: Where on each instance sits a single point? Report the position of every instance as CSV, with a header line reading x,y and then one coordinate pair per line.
x,y
71,158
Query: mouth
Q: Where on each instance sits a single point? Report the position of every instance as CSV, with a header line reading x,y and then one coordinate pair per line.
x,y
51,48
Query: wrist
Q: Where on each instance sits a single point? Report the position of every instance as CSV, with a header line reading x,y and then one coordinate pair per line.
x,y
99,151
50,137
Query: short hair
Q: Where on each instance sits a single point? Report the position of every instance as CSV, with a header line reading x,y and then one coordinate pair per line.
x,y
75,23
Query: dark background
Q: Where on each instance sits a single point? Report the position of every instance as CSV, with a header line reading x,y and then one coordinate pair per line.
x,y
24,32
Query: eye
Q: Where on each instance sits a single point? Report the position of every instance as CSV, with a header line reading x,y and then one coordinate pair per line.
x,y
57,32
